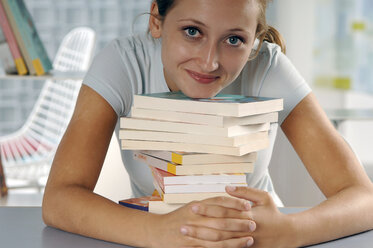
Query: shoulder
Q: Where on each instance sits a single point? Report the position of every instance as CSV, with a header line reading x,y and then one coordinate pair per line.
x,y
140,44
268,55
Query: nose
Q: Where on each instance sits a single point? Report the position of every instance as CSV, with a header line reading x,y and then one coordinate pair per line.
x,y
209,57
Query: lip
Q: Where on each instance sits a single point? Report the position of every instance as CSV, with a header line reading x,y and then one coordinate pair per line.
x,y
202,78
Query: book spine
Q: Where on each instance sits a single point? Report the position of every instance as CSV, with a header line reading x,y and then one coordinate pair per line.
x,y
29,35
3,187
17,34
13,46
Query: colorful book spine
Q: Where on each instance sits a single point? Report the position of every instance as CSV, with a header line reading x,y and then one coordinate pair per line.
x,y
12,43
3,187
28,34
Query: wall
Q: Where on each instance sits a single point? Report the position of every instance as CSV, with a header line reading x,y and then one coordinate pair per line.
x,y
295,19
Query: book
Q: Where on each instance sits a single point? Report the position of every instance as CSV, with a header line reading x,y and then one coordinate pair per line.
x,y
195,183
177,169
6,57
238,140
221,104
152,204
183,198
203,119
3,187
200,158
167,178
161,207
12,43
27,37
140,203
188,147
178,127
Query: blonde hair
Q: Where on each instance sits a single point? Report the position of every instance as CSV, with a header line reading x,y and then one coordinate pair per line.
x,y
264,32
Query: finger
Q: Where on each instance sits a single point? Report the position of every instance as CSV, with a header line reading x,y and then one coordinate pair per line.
x,y
229,202
210,234
232,243
217,211
257,196
226,224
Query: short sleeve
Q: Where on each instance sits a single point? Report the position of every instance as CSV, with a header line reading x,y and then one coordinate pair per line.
x,y
282,80
110,76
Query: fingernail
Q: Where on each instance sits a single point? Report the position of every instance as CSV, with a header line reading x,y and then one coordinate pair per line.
x,y
250,242
252,226
231,188
247,205
184,231
195,209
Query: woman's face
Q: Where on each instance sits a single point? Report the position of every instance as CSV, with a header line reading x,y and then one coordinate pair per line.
x,y
206,43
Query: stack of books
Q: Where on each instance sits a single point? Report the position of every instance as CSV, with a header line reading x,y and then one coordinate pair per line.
x,y
21,50
196,147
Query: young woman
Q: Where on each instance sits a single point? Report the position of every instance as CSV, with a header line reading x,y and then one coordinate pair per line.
x,y
202,47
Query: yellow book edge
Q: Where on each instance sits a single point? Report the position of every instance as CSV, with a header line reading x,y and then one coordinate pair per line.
x,y
21,66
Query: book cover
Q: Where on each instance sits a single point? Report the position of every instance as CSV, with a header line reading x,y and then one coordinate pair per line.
x,y
12,43
140,203
239,140
203,119
188,147
178,127
199,158
194,169
198,186
221,104
150,204
28,36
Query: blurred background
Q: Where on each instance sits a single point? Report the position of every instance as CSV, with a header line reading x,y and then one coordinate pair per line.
x,y
329,41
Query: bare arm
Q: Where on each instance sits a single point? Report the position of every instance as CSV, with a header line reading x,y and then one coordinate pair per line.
x,y
337,172
70,204
68,201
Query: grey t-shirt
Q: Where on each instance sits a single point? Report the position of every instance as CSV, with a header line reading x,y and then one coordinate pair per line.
x,y
133,65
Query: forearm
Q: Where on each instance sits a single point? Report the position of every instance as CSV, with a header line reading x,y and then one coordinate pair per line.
x,y
349,211
80,211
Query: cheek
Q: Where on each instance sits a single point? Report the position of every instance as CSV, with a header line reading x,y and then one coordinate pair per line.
x,y
233,64
174,53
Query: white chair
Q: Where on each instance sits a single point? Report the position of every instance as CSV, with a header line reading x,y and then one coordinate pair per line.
x,y
27,153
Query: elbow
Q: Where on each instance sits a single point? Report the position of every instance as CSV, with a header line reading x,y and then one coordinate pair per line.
x,y
47,209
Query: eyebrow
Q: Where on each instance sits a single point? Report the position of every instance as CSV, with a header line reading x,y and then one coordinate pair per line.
x,y
204,25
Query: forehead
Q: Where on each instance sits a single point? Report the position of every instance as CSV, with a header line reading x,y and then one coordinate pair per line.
x,y
216,11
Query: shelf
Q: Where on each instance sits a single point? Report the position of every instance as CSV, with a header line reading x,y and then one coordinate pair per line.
x,y
54,75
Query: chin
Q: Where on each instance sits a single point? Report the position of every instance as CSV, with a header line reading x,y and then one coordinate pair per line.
x,y
193,93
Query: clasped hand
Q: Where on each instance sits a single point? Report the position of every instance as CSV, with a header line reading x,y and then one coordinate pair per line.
x,y
226,222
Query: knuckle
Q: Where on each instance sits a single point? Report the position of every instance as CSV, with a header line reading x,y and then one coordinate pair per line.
x,y
224,212
223,224
217,236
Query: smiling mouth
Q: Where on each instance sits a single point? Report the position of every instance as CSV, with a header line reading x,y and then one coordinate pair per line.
x,y
201,78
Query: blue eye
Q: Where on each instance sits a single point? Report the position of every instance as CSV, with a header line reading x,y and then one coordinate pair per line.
x,y
191,32
234,40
